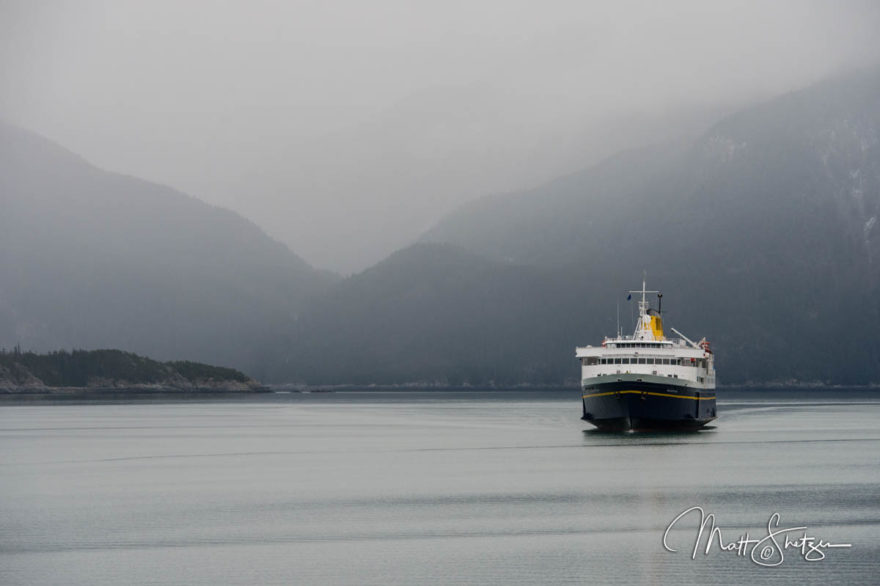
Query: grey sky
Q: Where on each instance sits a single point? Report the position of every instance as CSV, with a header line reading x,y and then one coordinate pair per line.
x,y
345,128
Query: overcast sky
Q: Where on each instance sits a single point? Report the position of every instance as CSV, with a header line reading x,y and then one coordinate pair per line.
x,y
346,128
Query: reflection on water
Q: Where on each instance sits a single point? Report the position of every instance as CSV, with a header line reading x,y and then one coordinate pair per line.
x,y
403,488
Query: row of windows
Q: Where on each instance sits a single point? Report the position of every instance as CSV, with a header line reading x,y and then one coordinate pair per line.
x,y
637,345
663,361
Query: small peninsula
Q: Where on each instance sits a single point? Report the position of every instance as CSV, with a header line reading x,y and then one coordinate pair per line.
x,y
112,371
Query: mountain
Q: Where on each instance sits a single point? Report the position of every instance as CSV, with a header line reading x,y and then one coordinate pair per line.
x,y
422,157
761,232
91,259
433,314
759,173
437,314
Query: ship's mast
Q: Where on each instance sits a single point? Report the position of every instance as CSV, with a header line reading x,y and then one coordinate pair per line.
x,y
618,318
643,326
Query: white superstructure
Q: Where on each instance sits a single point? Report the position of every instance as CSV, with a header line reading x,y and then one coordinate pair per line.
x,y
648,356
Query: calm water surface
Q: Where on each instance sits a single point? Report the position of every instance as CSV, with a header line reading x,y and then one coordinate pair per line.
x,y
410,488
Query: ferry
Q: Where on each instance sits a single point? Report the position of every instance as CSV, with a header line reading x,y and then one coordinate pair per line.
x,y
647,381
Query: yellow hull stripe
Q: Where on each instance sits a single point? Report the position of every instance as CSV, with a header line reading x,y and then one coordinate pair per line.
x,y
648,393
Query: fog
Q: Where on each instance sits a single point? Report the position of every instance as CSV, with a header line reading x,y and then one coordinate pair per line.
x,y
346,129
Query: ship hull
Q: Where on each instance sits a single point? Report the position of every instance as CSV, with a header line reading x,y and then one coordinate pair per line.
x,y
646,406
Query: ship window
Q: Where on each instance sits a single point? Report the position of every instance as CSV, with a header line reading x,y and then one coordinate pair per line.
x,y
617,361
592,360
642,361
650,361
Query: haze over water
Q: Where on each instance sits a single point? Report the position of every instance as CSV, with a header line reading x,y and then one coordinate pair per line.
x,y
416,487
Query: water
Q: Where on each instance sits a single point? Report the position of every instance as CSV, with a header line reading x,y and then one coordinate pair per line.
x,y
410,488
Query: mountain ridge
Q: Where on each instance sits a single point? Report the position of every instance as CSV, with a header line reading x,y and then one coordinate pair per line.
x,y
95,259
759,232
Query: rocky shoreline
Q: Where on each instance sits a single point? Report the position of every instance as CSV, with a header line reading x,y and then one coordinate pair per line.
x,y
207,387
37,394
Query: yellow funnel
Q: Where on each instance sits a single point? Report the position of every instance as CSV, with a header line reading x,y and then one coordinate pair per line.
x,y
657,327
